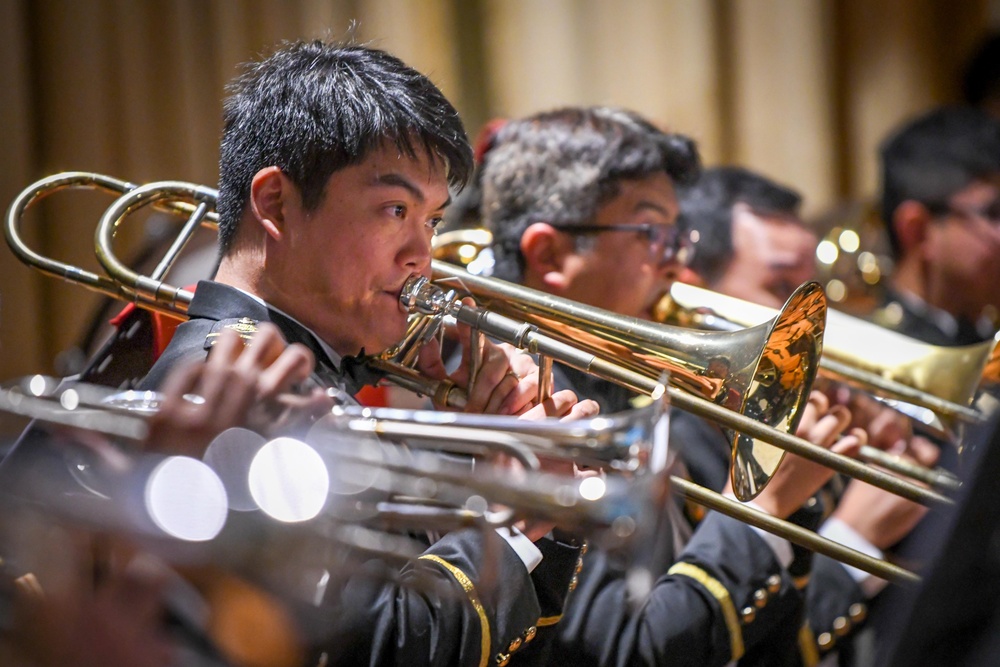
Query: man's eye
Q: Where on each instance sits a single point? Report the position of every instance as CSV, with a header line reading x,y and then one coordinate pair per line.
x,y
434,222
399,211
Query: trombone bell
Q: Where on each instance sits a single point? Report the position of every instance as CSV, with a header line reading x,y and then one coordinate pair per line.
x,y
765,372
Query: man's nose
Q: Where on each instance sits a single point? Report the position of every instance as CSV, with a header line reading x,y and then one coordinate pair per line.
x,y
415,254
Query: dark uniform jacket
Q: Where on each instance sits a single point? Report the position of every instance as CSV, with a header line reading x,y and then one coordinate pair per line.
x,y
462,608
725,596
833,598
899,314
894,604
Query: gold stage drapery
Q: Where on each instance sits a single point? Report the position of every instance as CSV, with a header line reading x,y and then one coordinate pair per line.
x,y
802,90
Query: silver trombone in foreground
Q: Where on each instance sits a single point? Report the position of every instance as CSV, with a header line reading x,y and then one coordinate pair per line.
x,y
368,485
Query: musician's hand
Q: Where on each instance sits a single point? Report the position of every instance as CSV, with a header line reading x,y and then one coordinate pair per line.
x,y
881,517
797,479
888,429
233,379
506,381
565,405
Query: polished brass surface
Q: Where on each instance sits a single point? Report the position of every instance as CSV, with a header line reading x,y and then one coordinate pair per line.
x,y
765,372
883,362
149,292
430,298
887,364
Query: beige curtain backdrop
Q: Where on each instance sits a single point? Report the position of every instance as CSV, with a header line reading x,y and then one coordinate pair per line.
x,y
802,90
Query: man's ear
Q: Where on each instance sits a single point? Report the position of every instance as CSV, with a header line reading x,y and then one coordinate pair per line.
x,y
545,251
910,221
268,192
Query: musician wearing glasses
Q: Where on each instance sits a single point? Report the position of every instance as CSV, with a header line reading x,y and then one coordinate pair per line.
x,y
336,165
582,204
753,245
941,211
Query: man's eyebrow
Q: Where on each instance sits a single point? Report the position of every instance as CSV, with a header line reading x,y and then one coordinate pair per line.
x,y
400,181
646,205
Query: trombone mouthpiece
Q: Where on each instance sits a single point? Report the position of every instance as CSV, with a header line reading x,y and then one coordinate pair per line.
x,y
420,296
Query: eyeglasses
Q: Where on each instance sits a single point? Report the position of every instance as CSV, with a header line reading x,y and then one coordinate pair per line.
x,y
667,242
989,212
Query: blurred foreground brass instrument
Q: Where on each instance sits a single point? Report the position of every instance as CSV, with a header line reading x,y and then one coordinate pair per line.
x,y
615,511
352,443
326,502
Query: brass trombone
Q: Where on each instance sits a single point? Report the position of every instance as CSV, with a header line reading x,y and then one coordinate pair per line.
x,y
103,284
587,323
757,444
933,385
773,384
942,379
152,292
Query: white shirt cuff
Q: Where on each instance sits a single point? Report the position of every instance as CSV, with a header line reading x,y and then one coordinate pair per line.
x,y
838,531
525,549
781,547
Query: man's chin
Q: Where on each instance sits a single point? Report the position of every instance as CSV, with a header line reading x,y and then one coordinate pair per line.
x,y
387,342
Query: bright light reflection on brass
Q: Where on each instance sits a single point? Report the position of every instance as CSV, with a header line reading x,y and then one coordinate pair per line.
x,y
136,401
70,399
592,488
186,499
37,385
289,480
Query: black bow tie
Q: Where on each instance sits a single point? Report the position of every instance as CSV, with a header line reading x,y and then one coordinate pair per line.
x,y
358,372
353,373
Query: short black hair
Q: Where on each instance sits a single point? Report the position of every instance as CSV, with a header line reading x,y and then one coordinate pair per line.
x,y
313,108
560,166
707,209
934,156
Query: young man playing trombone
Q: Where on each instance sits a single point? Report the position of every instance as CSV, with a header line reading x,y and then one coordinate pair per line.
x,y
582,205
335,167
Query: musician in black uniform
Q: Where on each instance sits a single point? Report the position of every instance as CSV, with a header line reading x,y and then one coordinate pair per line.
x,y
941,211
582,204
335,169
753,245
940,205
